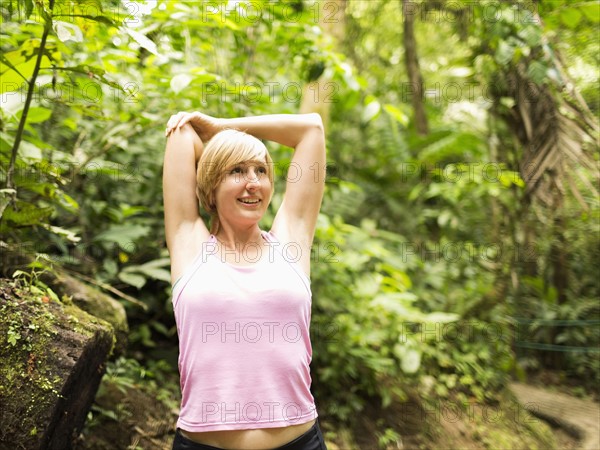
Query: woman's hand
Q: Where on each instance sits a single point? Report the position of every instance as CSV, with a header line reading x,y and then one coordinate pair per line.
x,y
205,126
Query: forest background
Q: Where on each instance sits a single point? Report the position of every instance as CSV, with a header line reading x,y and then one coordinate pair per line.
x,y
458,243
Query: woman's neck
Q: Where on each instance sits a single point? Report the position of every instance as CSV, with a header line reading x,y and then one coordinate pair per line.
x,y
238,238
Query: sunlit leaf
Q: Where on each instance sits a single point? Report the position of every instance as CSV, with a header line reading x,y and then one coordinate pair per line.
x,y
132,279
30,151
371,111
411,361
68,234
38,114
142,40
397,114
591,10
67,31
570,17
180,82
504,53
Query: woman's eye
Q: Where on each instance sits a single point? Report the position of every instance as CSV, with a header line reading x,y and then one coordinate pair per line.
x,y
236,170
262,170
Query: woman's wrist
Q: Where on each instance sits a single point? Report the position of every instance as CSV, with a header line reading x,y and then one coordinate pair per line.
x,y
221,124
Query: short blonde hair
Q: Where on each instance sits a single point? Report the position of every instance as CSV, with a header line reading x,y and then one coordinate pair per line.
x,y
223,151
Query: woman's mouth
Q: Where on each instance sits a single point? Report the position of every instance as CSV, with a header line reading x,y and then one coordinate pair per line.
x,y
249,201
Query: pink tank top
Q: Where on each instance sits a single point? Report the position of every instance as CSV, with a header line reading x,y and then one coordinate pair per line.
x,y
244,343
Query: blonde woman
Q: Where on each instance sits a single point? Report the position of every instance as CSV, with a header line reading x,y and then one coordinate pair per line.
x,y
241,295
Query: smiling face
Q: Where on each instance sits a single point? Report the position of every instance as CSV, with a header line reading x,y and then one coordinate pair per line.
x,y
243,195
235,178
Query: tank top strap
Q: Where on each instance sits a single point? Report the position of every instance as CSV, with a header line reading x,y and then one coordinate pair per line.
x,y
268,236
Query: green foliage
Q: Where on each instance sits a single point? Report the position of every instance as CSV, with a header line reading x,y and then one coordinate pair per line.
x,y
364,309
155,378
569,325
417,233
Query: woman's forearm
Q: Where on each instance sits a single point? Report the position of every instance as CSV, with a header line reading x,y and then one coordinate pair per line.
x,y
285,129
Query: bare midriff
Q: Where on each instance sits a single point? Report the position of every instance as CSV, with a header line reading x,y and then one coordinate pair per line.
x,y
256,439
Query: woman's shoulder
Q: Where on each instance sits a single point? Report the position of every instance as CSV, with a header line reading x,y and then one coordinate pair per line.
x,y
186,251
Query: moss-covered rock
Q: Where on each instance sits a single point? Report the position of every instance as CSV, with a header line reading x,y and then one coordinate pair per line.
x,y
52,357
96,303
85,296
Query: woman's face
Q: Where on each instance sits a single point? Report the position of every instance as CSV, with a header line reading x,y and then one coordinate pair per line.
x,y
242,197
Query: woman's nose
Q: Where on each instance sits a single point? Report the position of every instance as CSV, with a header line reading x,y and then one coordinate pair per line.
x,y
252,178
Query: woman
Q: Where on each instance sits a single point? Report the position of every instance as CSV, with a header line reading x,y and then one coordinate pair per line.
x,y
241,295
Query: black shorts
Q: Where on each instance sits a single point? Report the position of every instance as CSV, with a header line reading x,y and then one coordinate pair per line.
x,y
311,440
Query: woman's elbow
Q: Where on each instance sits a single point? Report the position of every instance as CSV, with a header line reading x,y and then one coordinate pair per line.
x,y
315,120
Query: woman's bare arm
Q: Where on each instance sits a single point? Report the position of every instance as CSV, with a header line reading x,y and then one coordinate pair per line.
x,y
184,227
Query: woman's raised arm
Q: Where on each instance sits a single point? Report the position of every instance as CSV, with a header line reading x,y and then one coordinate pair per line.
x,y
184,227
296,219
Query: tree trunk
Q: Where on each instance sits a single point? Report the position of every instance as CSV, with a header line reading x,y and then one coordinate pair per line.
x,y
317,95
412,66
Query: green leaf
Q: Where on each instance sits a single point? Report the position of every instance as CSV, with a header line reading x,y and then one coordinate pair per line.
x,y
441,317
133,279
151,272
7,62
123,235
509,178
14,79
532,35
142,40
591,10
38,114
537,72
93,72
67,234
67,31
66,201
45,189
52,295
28,8
398,303
30,151
101,19
504,53
16,67
571,17
396,114
180,82
411,361
25,214
371,111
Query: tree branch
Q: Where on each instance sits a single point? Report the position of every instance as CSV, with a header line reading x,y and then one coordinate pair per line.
x,y
31,88
412,67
